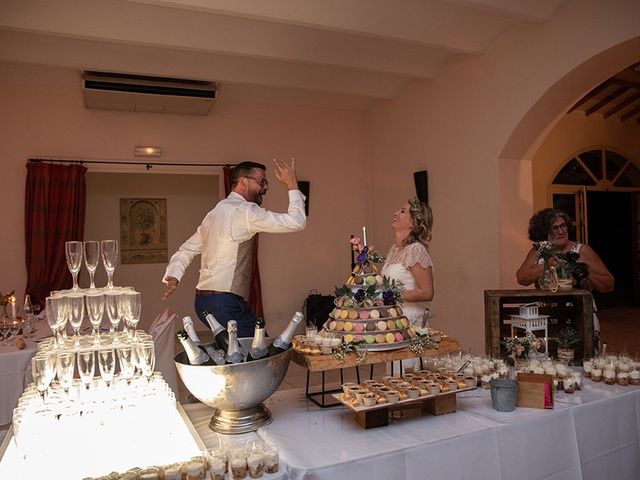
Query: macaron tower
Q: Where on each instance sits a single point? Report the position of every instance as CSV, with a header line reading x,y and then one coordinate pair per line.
x,y
367,307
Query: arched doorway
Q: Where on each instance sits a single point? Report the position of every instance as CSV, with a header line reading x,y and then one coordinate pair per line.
x,y
599,188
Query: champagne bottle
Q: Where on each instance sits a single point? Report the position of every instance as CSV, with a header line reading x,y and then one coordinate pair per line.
x,y
283,341
259,347
27,308
195,355
220,334
216,355
234,353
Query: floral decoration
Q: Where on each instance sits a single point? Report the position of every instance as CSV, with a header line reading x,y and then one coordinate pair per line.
x,y
365,252
422,342
520,347
358,347
367,297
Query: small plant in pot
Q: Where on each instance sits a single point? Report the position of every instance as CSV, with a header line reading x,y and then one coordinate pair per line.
x,y
567,339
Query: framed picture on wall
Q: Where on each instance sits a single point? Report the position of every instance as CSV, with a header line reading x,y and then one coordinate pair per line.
x,y
143,230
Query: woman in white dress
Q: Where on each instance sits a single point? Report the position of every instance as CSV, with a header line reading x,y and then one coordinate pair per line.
x,y
408,260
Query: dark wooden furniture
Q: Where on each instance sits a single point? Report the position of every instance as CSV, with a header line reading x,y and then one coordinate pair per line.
x,y
572,308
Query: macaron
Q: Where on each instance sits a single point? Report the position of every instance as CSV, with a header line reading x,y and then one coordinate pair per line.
x,y
356,269
358,338
405,322
369,339
391,324
339,326
379,279
336,313
364,314
353,314
358,280
390,338
375,314
332,325
382,325
359,327
344,314
371,326
348,338
393,312
380,338
348,326
399,323
398,310
399,337
384,312
368,268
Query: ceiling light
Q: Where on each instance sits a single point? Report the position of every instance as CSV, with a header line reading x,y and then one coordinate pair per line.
x,y
147,151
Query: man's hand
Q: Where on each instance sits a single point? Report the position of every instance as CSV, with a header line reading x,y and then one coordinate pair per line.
x,y
286,173
172,284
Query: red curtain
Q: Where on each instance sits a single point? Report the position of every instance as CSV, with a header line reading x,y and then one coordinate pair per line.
x,y
54,213
255,292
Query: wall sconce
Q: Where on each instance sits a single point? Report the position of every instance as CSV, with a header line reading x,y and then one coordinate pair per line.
x,y
147,151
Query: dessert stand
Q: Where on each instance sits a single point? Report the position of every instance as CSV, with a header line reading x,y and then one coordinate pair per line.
x,y
324,363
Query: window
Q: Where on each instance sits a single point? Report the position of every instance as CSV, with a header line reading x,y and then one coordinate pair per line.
x,y
599,168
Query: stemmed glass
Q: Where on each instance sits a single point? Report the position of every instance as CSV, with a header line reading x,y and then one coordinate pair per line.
x,y
107,364
109,258
58,311
76,314
65,363
126,357
95,310
73,252
146,358
124,309
5,328
133,314
111,306
91,258
43,370
86,366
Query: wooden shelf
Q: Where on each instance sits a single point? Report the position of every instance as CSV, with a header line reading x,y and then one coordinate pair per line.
x,y
322,363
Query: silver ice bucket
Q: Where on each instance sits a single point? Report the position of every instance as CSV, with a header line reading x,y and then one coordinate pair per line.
x,y
237,390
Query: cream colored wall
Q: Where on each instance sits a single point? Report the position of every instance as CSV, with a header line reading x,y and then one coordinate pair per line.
x,y
189,198
573,134
43,115
458,127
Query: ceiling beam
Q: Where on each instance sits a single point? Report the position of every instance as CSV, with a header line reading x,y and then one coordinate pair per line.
x,y
625,103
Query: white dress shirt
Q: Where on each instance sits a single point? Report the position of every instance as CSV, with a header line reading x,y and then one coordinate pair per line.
x,y
233,220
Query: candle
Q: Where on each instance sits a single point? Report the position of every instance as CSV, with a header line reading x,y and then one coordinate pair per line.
x,y
13,306
364,235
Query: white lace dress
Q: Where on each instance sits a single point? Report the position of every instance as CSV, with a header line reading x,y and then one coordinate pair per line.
x,y
399,261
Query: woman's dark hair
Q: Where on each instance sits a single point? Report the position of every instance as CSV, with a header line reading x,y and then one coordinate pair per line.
x,y
541,224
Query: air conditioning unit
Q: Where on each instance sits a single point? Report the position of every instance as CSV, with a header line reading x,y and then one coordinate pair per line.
x,y
140,93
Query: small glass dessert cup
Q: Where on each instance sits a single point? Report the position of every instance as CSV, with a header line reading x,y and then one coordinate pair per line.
x,y
271,458
623,378
587,366
609,376
634,377
596,375
255,463
217,468
238,463
569,386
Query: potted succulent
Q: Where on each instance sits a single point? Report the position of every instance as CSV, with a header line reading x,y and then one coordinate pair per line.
x,y
567,341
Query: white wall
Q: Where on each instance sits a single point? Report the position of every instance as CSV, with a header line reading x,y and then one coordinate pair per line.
x,y
189,198
43,115
459,126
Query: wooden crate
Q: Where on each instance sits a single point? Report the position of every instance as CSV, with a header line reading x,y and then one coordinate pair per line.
x,y
572,308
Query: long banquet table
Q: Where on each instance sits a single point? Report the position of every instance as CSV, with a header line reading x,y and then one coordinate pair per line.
x,y
591,435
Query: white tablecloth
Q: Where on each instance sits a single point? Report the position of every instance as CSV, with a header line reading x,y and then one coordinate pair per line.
x,y
591,435
13,367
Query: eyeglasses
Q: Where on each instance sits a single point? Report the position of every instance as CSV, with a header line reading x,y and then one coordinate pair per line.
x,y
262,181
558,228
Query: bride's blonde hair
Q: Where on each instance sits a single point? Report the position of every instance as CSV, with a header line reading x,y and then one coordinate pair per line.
x,y
422,218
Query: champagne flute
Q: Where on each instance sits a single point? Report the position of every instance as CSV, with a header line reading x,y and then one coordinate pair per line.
x,y
126,357
135,300
124,309
107,364
146,358
91,258
76,314
111,306
86,366
95,311
109,258
65,363
73,253
40,375
57,315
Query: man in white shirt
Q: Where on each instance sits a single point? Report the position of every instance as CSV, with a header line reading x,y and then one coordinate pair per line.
x,y
225,240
